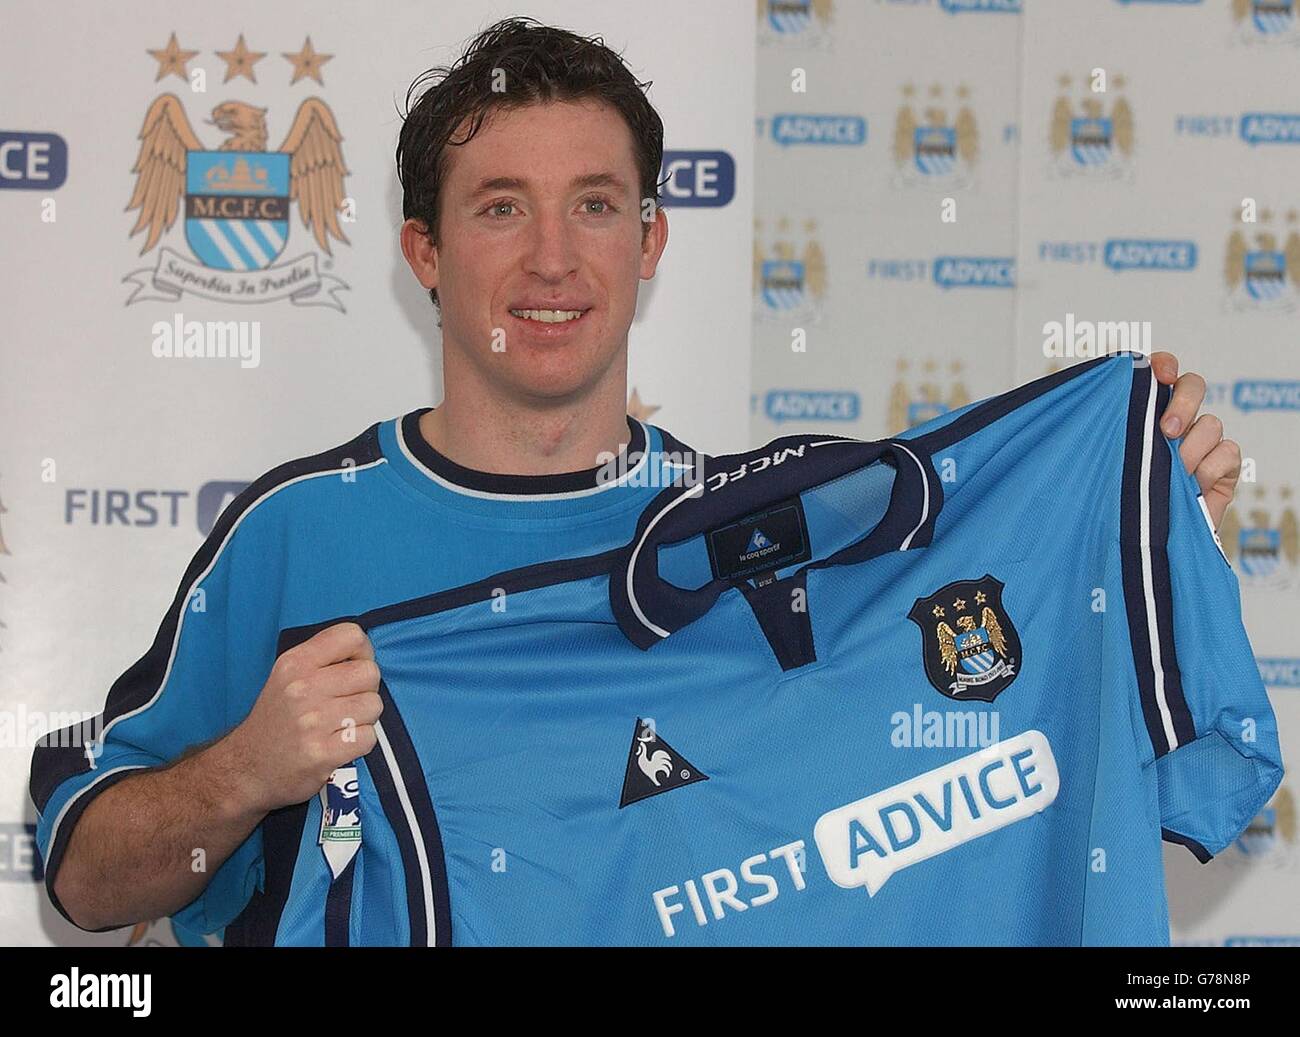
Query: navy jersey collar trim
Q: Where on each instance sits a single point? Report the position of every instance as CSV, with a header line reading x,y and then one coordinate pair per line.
x,y
649,609
458,478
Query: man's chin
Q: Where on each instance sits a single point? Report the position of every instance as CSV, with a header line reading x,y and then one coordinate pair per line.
x,y
556,379
553,392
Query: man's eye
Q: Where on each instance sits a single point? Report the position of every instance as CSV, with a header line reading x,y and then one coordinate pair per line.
x,y
600,201
492,209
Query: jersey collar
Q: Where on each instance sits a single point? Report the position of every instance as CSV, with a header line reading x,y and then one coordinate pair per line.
x,y
471,482
728,487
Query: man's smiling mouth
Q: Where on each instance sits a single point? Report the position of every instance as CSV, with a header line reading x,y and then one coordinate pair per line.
x,y
549,316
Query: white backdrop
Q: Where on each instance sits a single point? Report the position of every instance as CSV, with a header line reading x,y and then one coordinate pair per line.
x,y
929,183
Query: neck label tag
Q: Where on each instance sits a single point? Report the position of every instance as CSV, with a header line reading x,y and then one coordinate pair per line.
x,y
761,542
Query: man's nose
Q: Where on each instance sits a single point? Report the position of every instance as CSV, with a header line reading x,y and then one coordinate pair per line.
x,y
551,252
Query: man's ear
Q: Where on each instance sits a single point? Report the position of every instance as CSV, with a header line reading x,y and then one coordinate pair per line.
x,y
654,237
420,252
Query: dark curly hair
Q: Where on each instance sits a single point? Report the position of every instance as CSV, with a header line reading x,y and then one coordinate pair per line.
x,y
540,64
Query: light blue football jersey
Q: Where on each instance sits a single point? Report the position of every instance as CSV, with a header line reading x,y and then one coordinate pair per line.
x,y
379,519
949,688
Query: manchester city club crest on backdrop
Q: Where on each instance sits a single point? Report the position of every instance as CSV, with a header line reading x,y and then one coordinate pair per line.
x,y
970,646
237,198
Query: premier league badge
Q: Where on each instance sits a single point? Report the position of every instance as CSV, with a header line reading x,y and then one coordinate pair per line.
x,y
340,825
969,644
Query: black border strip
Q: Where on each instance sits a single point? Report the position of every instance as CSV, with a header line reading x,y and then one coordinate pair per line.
x,y
1161,572
413,780
70,819
491,482
1131,535
259,923
1202,854
338,905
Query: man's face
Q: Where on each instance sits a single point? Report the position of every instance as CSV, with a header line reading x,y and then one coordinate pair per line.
x,y
541,211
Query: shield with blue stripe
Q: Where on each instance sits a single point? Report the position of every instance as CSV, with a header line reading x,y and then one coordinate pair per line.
x,y
789,16
974,652
970,648
237,207
783,283
1265,274
1260,550
935,149
1090,141
1272,16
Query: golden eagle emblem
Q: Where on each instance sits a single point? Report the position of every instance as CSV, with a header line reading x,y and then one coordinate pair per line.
x,y
948,637
313,144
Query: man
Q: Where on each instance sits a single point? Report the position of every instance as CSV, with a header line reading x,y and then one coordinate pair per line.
x,y
531,216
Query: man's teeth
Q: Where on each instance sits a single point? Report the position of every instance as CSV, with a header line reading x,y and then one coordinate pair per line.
x,y
548,316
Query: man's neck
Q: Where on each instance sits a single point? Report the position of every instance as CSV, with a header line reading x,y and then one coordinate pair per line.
x,y
489,437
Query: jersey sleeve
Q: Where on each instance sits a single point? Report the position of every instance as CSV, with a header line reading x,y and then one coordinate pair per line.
x,y
1204,709
192,686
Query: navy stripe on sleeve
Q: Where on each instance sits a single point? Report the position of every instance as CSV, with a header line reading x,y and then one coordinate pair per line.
x,y
259,922
1144,560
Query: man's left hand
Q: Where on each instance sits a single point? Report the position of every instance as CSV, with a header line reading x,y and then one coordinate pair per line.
x,y
1215,461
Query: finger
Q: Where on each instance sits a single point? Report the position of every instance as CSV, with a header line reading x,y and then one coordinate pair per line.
x,y
354,711
352,738
332,645
1201,438
1189,392
1165,367
350,677
1220,469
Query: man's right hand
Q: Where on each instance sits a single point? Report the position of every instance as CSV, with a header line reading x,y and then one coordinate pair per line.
x,y
316,712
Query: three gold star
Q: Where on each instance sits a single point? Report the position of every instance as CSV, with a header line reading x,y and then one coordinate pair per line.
x,y
240,61
171,60
307,63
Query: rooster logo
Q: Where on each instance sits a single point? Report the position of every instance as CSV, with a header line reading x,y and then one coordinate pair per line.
x,y
652,764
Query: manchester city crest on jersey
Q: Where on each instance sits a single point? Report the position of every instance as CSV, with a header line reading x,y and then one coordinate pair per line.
x,y
654,766
970,646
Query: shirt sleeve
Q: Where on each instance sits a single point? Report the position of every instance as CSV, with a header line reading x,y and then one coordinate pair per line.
x,y
191,687
1205,710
